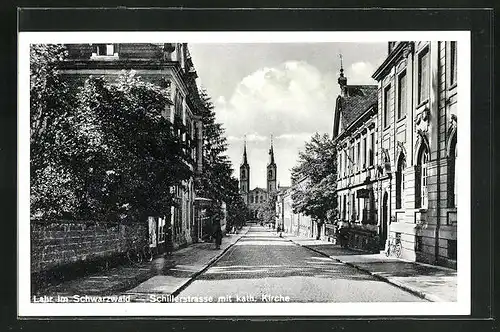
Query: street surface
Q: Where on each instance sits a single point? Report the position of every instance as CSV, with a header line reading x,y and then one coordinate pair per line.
x,y
262,267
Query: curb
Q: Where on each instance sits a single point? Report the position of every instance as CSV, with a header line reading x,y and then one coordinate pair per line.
x,y
210,263
419,293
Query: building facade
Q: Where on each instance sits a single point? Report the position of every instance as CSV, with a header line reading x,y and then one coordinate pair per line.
x,y
256,197
355,134
417,124
291,222
169,66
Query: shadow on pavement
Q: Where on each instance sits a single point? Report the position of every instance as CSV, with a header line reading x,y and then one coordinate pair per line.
x,y
404,269
305,268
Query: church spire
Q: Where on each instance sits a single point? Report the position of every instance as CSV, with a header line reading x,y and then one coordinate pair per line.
x,y
342,80
271,152
245,160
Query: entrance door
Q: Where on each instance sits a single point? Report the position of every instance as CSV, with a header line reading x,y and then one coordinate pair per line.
x,y
384,224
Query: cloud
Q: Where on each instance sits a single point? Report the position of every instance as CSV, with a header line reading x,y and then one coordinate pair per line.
x,y
291,101
295,136
360,73
249,138
292,97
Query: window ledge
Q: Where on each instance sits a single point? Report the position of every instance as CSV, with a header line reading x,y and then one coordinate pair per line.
x,y
94,56
453,86
422,103
401,119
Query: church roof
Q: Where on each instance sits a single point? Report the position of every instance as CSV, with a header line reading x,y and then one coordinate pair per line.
x,y
356,102
258,189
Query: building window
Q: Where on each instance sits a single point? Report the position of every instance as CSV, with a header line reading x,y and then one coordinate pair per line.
x,y
359,208
344,207
242,173
364,152
385,115
352,159
421,194
105,49
270,174
372,148
400,181
452,249
423,76
358,154
345,162
452,174
402,95
453,62
353,209
178,108
340,164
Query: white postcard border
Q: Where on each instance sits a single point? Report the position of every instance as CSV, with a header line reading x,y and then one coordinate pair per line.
x,y
462,307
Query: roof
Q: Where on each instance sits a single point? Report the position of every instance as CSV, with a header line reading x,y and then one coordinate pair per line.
x,y
257,189
358,100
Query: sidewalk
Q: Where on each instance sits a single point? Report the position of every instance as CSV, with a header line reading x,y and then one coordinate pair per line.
x,y
434,283
163,275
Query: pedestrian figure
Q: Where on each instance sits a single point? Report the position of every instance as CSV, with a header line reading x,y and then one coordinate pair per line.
x,y
169,245
344,234
218,236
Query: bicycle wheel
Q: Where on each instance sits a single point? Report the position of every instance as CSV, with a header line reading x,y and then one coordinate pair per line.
x,y
148,253
131,256
139,257
397,250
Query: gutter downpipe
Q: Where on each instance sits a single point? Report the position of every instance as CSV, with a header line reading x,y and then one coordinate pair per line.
x,y
438,156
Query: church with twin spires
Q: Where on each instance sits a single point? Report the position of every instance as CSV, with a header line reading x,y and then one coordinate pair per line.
x,y
253,198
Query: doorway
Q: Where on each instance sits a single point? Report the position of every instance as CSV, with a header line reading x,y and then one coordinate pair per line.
x,y
384,225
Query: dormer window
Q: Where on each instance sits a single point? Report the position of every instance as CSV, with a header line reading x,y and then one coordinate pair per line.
x,y
104,50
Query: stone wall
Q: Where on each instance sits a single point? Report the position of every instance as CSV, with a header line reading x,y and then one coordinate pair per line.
x,y
59,243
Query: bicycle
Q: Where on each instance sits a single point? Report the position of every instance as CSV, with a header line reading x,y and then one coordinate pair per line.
x,y
134,255
394,248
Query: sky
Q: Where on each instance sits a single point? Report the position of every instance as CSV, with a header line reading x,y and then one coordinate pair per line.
x,y
284,90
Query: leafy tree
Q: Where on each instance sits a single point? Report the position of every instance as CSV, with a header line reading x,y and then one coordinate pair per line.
x,y
217,181
51,134
267,209
314,179
131,156
102,149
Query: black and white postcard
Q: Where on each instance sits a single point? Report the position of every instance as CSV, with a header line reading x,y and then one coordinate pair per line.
x,y
244,173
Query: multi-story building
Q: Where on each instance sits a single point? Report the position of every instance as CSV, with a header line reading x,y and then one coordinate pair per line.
x,y
169,66
355,133
417,126
291,222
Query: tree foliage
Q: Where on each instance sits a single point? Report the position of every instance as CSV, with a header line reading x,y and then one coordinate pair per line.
x,y
101,150
314,179
266,210
217,181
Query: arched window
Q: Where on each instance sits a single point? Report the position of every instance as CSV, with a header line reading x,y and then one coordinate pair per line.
x,y
400,181
421,177
452,176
